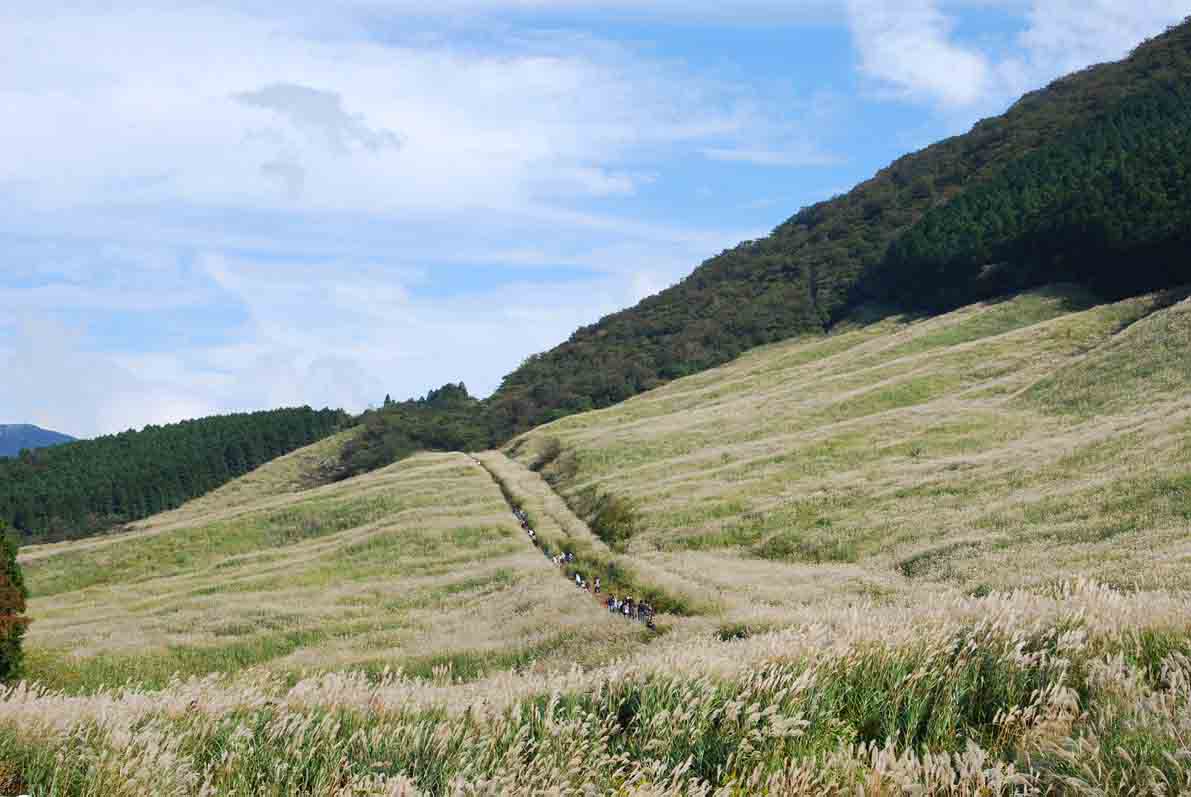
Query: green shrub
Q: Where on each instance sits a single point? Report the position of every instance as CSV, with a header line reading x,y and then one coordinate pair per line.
x,y
611,517
551,450
562,470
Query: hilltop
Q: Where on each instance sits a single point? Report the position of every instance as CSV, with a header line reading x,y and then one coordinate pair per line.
x,y
14,437
1087,182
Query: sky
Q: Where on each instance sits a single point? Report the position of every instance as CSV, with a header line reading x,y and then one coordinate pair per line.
x,y
225,206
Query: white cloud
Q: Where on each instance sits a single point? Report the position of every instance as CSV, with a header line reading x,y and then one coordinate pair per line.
x,y
52,380
229,95
1066,35
907,45
910,46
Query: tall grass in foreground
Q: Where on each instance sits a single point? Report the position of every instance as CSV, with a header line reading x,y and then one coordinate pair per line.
x,y
1065,693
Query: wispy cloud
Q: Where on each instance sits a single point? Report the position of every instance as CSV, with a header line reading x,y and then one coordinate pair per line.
x,y
803,156
907,45
910,47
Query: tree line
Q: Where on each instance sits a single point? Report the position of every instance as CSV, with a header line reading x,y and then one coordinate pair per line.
x,y
78,489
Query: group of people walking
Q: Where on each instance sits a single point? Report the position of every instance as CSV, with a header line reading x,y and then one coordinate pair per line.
x,y
627,607
631,609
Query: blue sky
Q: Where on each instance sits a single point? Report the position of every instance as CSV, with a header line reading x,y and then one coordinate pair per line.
x,y
226,206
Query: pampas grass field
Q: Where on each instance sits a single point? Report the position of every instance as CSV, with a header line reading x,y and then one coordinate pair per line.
x,y
914,557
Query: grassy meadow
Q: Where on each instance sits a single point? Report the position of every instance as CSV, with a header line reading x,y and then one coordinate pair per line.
x,y
418,567
1013,444
914,557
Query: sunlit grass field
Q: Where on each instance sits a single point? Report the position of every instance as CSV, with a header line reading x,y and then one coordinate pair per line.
x,y
1017,443
939,557
417,566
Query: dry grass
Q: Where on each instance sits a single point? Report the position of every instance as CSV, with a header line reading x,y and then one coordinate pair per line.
x,y
941,557
414,566
1012,444
1075,690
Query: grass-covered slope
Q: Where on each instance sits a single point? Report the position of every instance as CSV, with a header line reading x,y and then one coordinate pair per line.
x,y
845,513
1009,444
415,566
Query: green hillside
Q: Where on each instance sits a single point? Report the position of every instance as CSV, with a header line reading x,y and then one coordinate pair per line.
x,y
80,488
1094,163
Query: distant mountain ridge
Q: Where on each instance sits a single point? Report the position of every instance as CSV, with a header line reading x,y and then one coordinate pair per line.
x,y
17,436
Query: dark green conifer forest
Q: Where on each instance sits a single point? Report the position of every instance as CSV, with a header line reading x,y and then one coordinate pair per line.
x,y
76,489
1107,206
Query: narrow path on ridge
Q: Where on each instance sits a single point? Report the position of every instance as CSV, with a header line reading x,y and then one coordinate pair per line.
x,y
569,544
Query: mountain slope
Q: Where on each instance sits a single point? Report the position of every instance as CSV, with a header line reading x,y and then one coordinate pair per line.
x,y
811,270
1009,444
17,436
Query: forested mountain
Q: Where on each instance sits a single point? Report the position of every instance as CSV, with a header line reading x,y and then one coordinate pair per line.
x,y
79,488
1004,193
16,436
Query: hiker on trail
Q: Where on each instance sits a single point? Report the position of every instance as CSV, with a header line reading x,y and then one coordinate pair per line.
x,y
578,581
597,585
611,604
